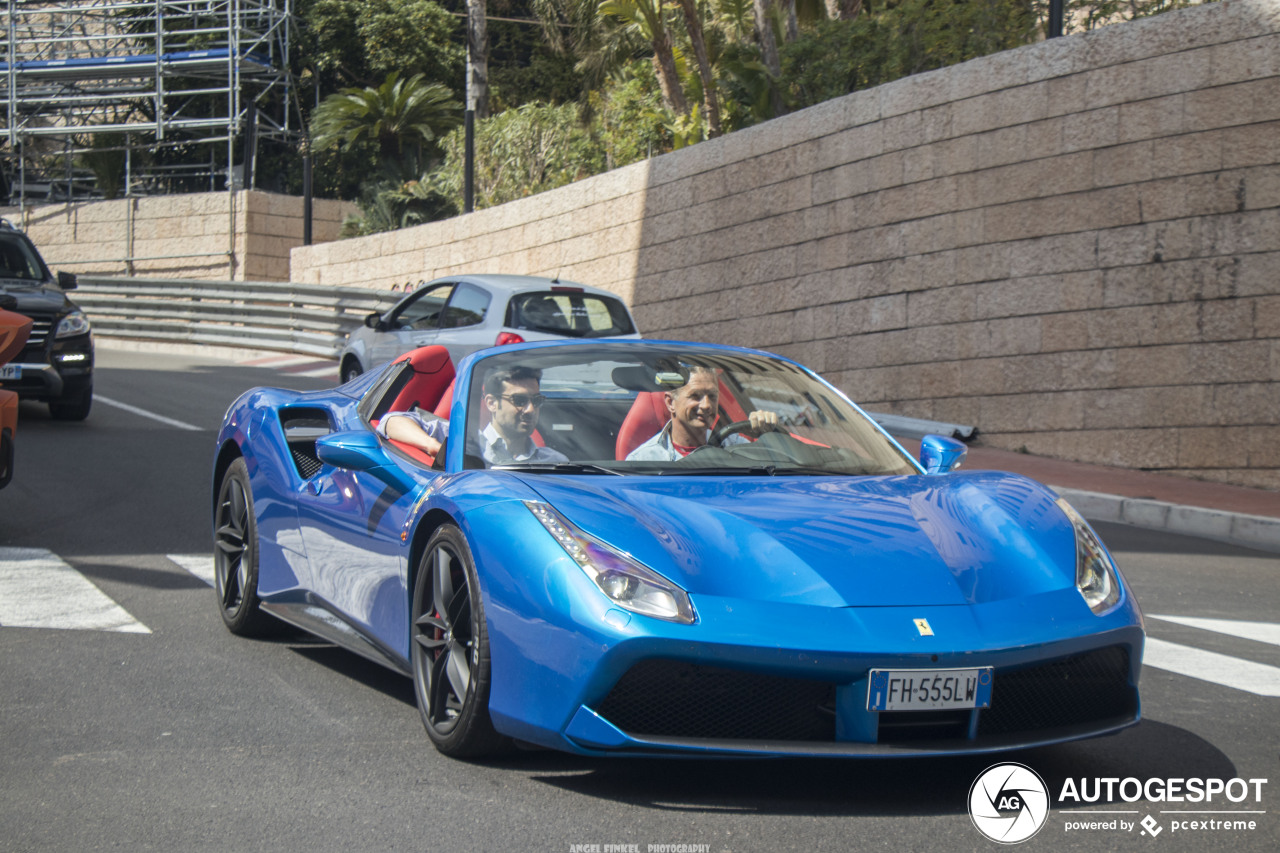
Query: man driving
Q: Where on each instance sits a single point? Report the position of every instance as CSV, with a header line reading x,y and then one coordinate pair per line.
x,y
693,408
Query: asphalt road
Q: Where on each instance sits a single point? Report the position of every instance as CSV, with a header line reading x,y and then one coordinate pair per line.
x,y
177,736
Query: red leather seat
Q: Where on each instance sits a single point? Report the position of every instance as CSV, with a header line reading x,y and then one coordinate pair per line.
x,y
647,416
430,389
433,376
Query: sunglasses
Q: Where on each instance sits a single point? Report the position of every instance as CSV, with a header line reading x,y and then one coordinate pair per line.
x,y
521,401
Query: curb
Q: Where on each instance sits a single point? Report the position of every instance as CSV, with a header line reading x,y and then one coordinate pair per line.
x,y
1250,531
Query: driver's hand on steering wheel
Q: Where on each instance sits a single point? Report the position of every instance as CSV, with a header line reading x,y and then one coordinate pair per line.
x,y
763,421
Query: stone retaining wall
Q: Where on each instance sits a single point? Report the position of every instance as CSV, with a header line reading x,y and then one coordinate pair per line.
x,y
181,236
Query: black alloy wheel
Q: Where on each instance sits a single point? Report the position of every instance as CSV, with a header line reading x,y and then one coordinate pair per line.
x,y
450,650
235,555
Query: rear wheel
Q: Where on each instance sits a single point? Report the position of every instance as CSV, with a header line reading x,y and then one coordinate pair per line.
x,y
235,555
451,650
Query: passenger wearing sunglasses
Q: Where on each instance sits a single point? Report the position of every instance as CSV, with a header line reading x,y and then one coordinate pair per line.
x,y
513,401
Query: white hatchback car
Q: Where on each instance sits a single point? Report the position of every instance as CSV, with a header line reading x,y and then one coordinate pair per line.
x,y
470,312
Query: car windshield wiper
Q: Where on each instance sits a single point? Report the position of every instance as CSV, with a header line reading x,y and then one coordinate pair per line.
x,y
558,468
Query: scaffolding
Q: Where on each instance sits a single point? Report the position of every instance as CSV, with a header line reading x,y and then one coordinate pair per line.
x,y
85,78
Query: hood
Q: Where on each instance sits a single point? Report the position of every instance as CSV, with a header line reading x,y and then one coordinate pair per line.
x,y
35,297
964,538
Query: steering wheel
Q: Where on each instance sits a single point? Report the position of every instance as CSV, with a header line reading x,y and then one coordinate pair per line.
x,y
719,434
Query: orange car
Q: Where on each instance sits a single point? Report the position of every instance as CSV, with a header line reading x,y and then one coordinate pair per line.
x,y
14,329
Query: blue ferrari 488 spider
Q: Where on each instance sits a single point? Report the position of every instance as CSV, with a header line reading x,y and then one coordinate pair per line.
x,y
659,548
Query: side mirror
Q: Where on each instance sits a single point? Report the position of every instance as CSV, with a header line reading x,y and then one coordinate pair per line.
x,y
356,450
67,281
359,450
941,455
374,321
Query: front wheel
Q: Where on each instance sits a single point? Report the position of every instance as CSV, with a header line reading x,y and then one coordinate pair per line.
x,y
451,650
235,555
72,407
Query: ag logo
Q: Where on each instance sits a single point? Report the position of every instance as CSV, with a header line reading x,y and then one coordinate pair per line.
x,y
1008,803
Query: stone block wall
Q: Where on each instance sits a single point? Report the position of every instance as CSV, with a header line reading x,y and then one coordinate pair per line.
x,y
1074,246
246,236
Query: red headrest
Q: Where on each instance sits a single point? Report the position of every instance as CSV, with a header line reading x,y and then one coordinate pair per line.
x,y
433,375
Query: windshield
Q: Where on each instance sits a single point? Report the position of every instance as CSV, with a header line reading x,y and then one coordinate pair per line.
x,y
19,261
665,409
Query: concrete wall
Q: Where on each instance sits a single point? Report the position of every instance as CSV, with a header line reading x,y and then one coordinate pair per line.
x,y
1074,245
184,236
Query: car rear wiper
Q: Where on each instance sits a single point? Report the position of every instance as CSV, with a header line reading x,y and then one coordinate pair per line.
x,y
558,468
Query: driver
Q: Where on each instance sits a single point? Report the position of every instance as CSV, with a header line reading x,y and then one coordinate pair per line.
x,y
693,408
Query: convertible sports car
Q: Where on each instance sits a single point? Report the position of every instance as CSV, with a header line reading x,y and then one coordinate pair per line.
x,y
802,588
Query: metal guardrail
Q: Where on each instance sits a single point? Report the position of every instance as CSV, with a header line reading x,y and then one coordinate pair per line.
x,y
310,319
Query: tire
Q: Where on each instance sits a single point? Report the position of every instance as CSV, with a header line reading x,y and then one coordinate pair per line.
x,y
235,556
72,407
350,370
450,650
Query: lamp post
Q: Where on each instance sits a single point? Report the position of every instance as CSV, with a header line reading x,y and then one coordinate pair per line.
x,y
477,95
1055,18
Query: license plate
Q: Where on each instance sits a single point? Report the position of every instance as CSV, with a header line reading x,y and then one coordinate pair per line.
x,y
10,371
929,689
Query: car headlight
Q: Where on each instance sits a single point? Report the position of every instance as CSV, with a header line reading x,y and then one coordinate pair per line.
x,y
626,582
1096,577
75,323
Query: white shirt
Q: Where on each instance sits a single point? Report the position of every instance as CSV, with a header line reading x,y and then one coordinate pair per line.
x,y
493,447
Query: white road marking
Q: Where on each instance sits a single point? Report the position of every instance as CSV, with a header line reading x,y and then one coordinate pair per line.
x,y
1231,672
144,413
1263,632
200,565
280,360
329,371
38,590
309,365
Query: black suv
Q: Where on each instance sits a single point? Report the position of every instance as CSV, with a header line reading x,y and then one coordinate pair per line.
x,y
57,363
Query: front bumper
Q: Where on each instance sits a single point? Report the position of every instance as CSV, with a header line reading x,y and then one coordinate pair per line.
x,y
66,373
776,680
673,707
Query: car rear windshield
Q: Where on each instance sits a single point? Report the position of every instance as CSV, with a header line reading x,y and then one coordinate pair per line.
x,y
573,315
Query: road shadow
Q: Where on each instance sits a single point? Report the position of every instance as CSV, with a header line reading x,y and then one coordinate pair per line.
x,y
866,787
350,665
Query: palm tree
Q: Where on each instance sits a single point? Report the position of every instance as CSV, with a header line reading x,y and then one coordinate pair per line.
x,y
710,97
401,117
648,17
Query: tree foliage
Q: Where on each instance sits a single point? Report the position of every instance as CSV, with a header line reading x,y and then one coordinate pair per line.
x,y
834,58
522,151
360,42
